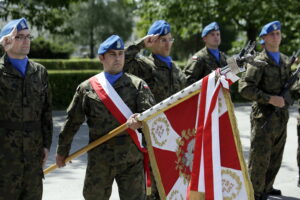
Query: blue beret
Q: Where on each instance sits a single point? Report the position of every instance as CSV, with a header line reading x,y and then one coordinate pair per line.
x,y
9,27
210,27
160,27
268,28
113,42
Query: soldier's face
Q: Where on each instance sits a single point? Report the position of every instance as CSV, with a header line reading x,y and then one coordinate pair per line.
x,y
113,61
21,45
212,39
273,39
162,46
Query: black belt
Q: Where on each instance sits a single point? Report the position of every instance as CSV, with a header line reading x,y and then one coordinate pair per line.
x,y
20,126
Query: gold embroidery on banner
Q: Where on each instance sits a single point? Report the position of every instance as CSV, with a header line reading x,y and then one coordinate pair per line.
x,y
230,187
185,153
175,195
159,128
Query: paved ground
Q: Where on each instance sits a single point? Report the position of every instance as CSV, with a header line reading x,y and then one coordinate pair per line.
x,y
67,183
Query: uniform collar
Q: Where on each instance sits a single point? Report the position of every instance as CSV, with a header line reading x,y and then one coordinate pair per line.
x,y
123,80
8,68
212,56
160,63
269,59
167,59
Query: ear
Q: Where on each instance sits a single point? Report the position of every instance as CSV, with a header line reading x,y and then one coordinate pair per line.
x,y
101,58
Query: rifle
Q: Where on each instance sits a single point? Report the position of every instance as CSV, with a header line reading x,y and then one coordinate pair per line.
x,y
241,58
293,58
236,63
287,86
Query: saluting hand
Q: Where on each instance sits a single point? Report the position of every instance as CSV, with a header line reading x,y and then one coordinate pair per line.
x,y
8,41
149,40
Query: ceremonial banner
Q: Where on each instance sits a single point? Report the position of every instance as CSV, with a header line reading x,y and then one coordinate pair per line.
x,y
194,146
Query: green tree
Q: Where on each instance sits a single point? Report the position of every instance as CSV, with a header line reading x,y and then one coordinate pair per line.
x,y
93,21
43,14
189,16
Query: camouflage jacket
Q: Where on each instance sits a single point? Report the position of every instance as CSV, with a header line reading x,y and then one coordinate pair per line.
x,y
25,104
202,64
87,105
259,83
162,81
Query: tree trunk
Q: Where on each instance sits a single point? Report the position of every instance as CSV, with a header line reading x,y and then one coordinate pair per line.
x,y
251,33
92,53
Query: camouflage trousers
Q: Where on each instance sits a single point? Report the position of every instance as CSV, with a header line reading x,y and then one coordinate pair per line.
x,y
266,150
129,177
19,181
20,168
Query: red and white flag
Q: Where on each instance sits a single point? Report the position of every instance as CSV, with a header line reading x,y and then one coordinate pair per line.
x,y
194,147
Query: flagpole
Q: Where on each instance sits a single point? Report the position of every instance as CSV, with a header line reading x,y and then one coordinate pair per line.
x,y
90,146
164,105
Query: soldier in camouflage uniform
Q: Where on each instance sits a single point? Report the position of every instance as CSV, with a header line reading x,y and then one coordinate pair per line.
x,y
296,92
262,85
158,70
298,150
25,117
118,158
207,59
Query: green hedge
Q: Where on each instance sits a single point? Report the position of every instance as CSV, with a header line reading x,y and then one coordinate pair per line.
x,y
70,64
42,48
64,83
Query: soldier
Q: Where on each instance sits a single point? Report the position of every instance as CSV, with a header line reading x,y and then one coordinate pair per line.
x,y
262,85
296,89
25,117
207,59
158,70
298,151
120,157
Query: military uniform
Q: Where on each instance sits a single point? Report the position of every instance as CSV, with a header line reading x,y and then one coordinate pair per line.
x,y
25,129
296,92
267,144
298,150
202,64
162,81
117,158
